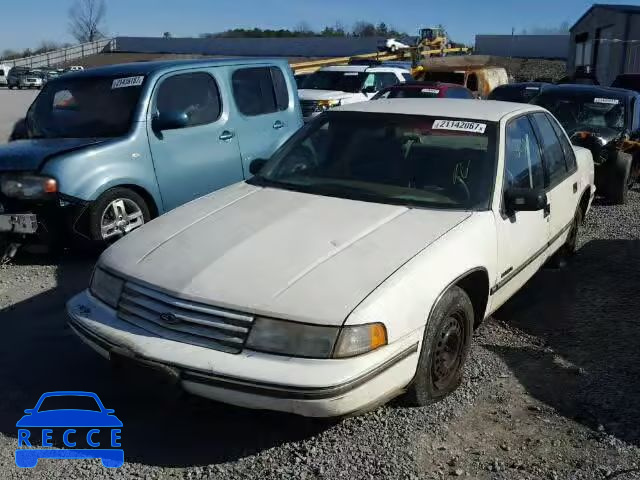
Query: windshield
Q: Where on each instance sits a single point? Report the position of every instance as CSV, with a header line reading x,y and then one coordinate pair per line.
x,y
409,92
85,107
444,77
397,159
69,402
576,111
351,82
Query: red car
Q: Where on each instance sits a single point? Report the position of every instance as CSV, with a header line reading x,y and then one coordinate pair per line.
x,y
425,90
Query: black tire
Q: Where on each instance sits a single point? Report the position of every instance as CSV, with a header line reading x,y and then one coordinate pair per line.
x,y
445,347
568,250
98,207
619,180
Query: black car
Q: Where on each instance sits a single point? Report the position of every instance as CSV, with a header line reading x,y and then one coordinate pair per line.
x,y
517,92
630,81
606,121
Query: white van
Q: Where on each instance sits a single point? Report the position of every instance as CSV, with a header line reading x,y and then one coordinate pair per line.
x,y
4,72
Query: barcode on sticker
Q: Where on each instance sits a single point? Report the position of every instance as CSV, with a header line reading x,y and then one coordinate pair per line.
x,y
127,82
351,74
430,90
608,101
459,126
532,88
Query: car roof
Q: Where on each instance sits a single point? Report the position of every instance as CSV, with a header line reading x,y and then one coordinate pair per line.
x,y
442,107
146,68
363,68
416,85
590,89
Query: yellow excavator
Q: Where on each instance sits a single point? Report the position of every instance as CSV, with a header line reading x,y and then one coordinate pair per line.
x,y
434,42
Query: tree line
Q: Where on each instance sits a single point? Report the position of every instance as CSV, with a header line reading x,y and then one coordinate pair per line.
x,y
359,29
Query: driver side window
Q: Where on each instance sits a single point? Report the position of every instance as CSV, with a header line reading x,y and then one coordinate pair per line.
x,y
523,160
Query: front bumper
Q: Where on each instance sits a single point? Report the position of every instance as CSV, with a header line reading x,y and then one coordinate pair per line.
x,y
308,387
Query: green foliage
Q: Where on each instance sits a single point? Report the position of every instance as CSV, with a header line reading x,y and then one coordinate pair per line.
x,y
360,29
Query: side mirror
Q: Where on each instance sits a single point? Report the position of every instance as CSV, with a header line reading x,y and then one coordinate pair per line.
x,y
169,121
256,165
109,411
19,131
29,411
525,200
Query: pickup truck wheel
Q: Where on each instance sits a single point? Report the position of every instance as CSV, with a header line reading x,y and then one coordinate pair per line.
x,y
115,213
445,348
620,180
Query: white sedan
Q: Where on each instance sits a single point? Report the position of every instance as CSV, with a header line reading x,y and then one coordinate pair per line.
x,y
355,264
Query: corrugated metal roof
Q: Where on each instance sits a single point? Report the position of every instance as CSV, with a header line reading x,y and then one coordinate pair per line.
x,y
608,6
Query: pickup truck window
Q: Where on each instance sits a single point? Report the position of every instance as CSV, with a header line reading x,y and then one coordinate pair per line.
x,y
195,94
388,158
552,150
260,90
84,107
523,160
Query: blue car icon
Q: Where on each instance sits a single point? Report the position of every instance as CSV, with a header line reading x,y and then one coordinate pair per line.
x,y
89,413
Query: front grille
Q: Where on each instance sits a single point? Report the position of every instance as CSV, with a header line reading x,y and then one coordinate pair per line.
x,y
309,107
184,321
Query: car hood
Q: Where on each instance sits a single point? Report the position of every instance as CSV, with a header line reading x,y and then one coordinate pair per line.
x,y
274,252
69,418
30,155
309,94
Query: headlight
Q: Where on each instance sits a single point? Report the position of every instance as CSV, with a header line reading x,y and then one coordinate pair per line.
x,y
106,287
327,104
28,186
314,341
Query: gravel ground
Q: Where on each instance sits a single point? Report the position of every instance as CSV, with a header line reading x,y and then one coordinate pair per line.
x,y
13,106
550,392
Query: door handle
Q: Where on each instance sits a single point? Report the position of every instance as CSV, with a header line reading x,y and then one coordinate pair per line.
x,y
575,187
227,135
278,125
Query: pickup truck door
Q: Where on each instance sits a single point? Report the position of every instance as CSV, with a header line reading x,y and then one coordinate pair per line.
x,y
562,180
522,236
202,156
267,116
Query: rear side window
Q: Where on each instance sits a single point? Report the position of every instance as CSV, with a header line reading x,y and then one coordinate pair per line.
x,y
260,90
195,94
459,93
569,155
407,77
384,80
552,150
1,73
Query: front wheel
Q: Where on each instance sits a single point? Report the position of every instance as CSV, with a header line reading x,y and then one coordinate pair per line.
x,y
620,179
445,348
116,213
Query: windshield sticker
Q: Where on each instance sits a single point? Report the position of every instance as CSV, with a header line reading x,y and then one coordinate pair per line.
x,y
127,82
351,74
608,101
532,88
459,126
430,90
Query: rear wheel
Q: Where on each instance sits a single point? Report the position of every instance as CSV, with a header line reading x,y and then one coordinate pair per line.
x,y
445,348
116,213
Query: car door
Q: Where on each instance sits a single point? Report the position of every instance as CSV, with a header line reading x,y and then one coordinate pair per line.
x,y
266,114
204,155
522,236
562,180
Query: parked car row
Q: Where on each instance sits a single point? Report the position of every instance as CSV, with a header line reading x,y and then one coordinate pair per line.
x,y
26,77
306,282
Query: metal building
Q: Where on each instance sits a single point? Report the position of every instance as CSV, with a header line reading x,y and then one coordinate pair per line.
x,y
607,39
524,46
